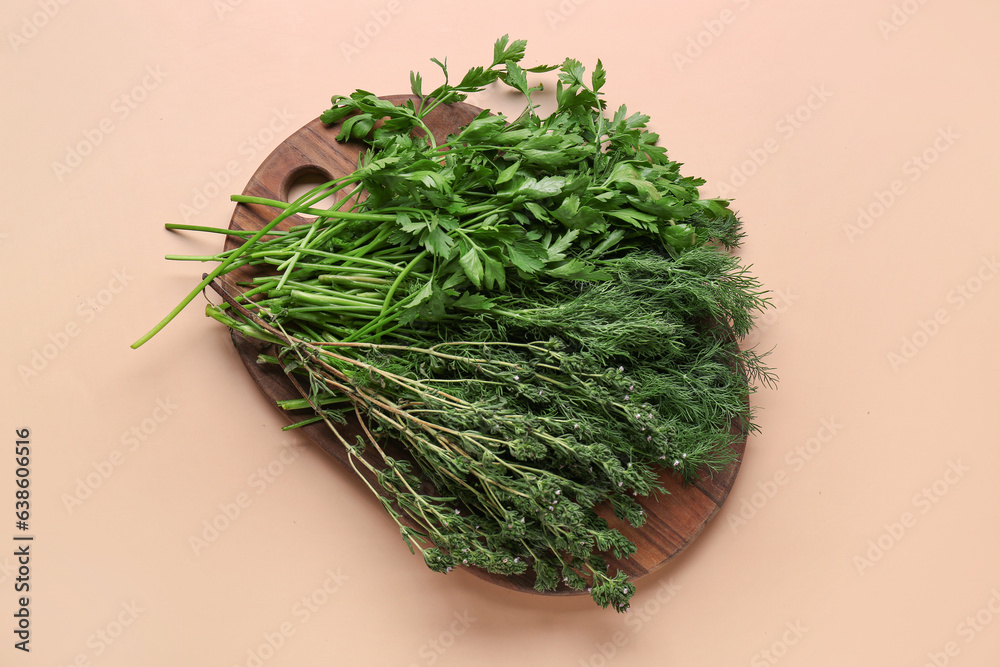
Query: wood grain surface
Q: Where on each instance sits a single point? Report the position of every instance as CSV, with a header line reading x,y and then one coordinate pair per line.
x,y
674,520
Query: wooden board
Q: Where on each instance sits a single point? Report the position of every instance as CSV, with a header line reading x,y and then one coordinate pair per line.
x,y
674,520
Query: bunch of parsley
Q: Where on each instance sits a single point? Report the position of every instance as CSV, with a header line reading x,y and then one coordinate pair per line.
x,y
542,310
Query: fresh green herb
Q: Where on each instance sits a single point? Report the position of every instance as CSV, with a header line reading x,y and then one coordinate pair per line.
x,y
542,310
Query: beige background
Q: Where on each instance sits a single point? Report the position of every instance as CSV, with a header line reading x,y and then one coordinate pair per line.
x,y
859,141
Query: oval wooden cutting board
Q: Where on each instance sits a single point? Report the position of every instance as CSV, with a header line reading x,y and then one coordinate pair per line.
x,y
674,520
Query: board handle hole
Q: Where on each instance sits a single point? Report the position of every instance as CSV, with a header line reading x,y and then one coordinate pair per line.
x,y
302,181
